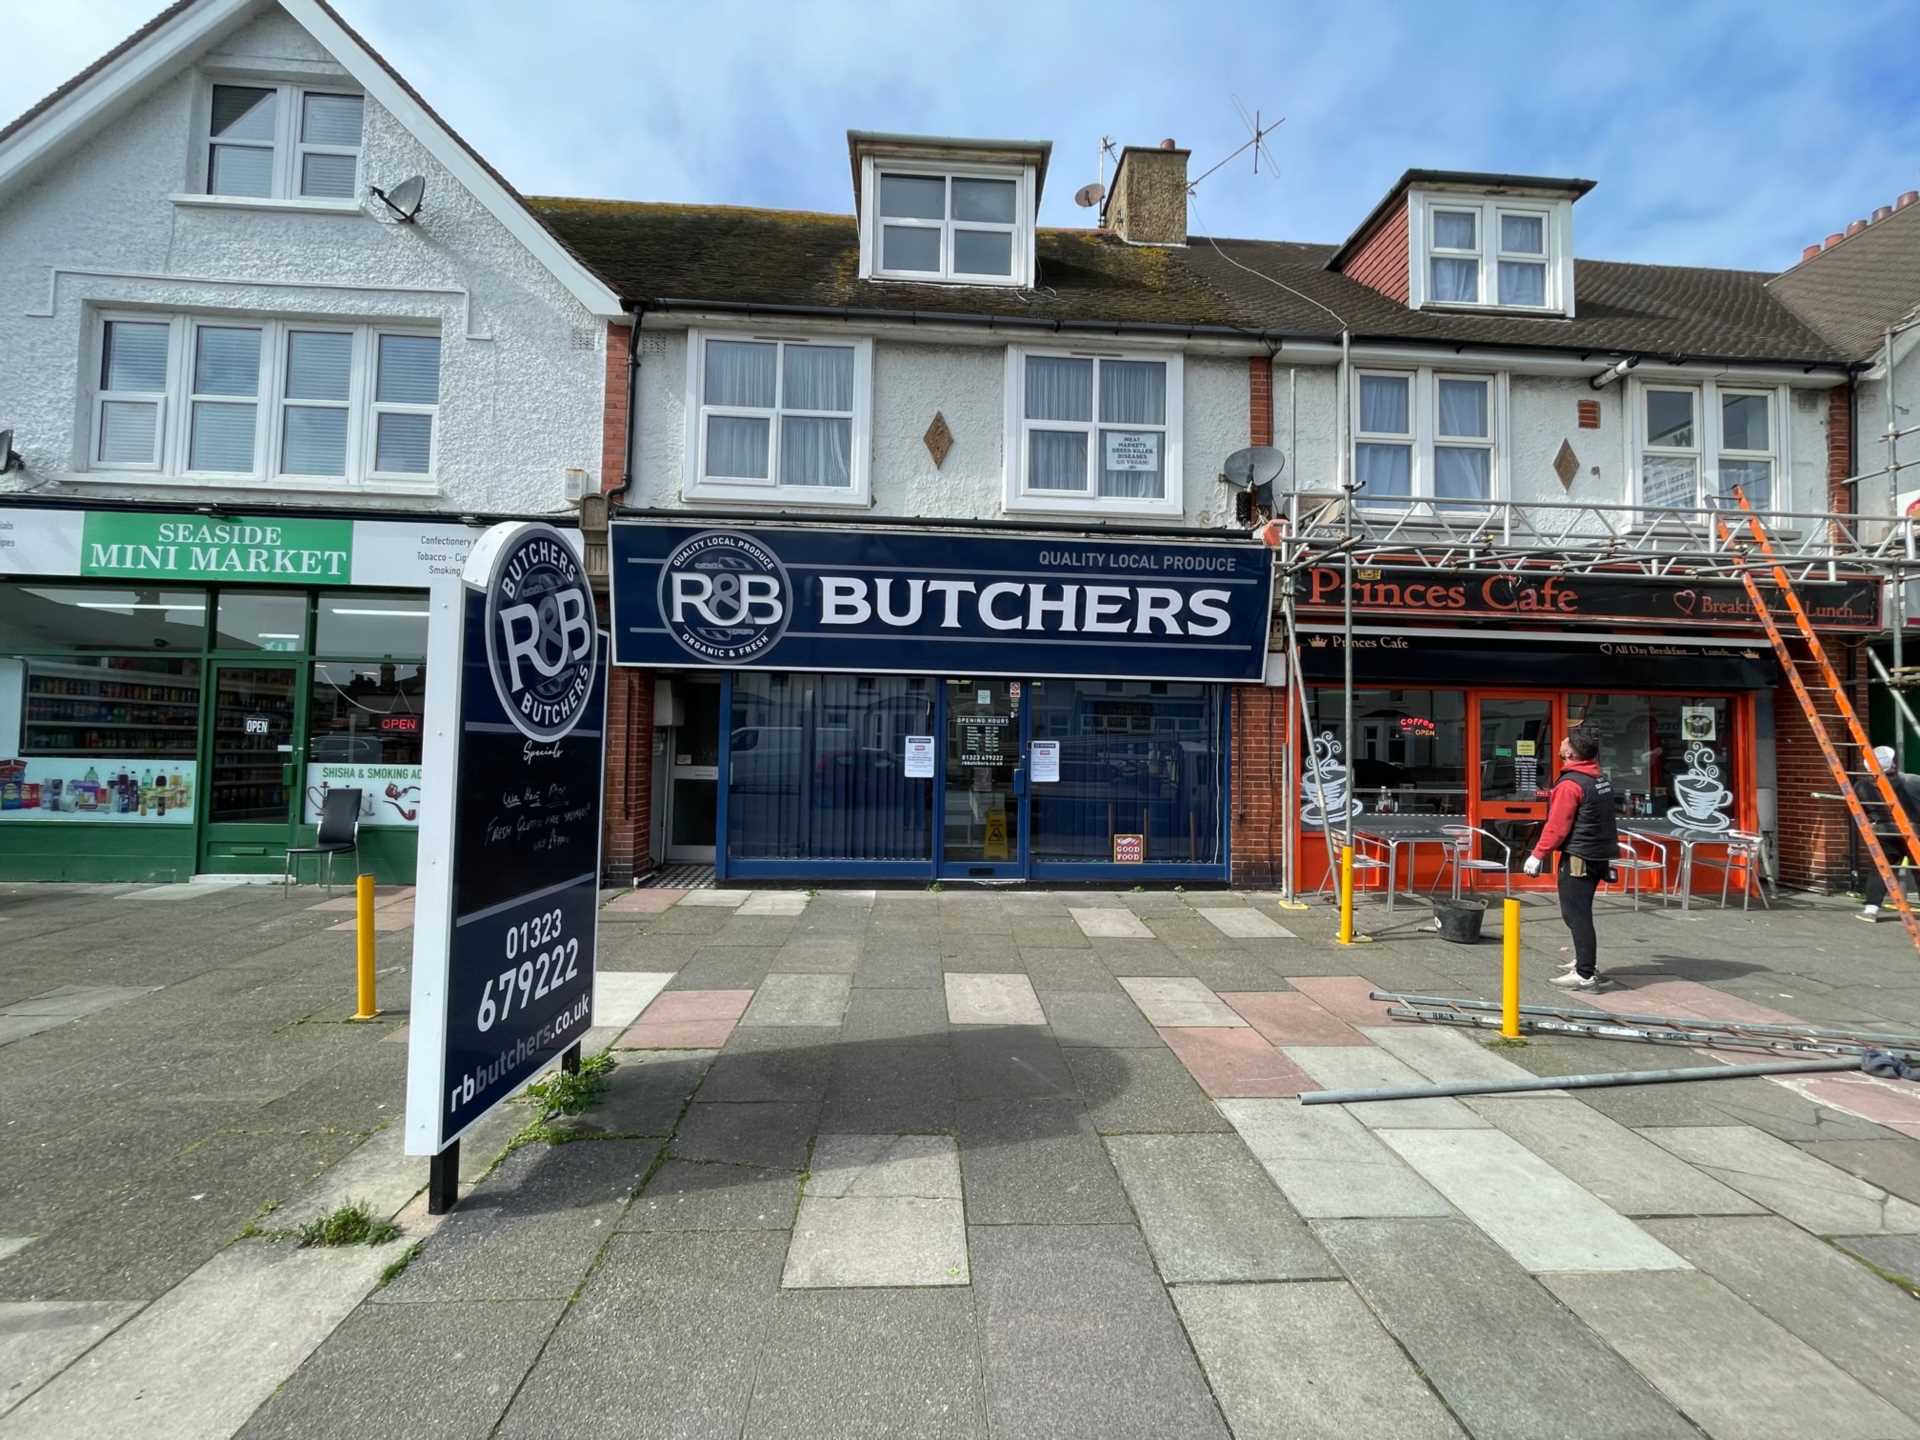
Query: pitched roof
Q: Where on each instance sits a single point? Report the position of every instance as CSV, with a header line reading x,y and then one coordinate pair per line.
x,y
734,256
1491,182
1854,290
33,112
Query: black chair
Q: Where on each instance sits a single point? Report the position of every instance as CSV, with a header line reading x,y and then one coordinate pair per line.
x,y
339,834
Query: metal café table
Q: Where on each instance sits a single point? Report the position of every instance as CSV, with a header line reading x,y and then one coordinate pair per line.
x,y
1665,831
1404,832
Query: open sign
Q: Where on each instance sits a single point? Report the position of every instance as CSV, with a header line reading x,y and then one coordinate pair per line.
x,y
257,725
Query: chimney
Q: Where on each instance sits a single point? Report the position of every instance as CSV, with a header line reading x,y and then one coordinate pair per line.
x,y
1881,212
1148,205
1907,197
1832,240
1809,252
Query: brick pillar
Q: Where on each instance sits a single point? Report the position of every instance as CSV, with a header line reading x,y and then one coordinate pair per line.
x,y
1259,400
1258,766
629,807
613,422
1840,449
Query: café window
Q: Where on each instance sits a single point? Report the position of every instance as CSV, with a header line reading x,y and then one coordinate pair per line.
x,y
1410,754
363,714
106,706
84,617
1672,758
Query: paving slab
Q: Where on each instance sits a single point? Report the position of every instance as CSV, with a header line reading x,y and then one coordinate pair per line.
x,y
910,967
73,1001
1735,1372
249,1317
531,1228
185,890
1327,1163
774,902
1142,1091
1235,1063
620,995
1013,1061
888,1089
1894,1103
1287,1017
976,998
1243,922
1344,996
1833,1303
687,1020
924,1166
1211,1214
380,1175
1084,1019
1367,1067
1896,1255
1036,1162
689,1195
876,1240
1178,1001
447,1368
869,1365
688,1312
772,1135
1620,1167
1104,922
1510,1363
1291,1361
1532,1211
1063,970
831,953
1789,1182
644,902
40,1338
772,1062
720,899
1079,1339
646,1091
894,1017
12,1244
1447,1056
799,1000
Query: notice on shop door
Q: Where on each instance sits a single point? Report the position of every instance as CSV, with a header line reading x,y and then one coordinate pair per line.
x,y
918,761
983,740
1043,762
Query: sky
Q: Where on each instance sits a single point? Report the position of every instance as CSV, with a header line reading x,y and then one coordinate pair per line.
x,y
1720,134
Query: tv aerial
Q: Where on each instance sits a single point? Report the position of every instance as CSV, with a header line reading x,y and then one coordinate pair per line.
x,y
404,199
1257,133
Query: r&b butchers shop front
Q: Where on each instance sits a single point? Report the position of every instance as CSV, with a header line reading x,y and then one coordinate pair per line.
x,y
1465,682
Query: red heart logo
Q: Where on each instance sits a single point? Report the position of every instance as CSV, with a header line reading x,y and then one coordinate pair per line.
x,y
1685,600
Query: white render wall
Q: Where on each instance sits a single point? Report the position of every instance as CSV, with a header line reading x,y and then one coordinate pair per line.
x,y
517,408
1870,429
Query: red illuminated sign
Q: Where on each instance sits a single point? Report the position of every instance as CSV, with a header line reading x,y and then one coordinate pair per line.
x,y
400,724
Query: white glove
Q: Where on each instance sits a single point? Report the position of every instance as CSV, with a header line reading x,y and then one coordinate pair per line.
x,y
1532,867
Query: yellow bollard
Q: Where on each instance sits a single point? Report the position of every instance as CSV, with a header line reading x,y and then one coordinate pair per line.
x,y
1345,937
1510,971
363,945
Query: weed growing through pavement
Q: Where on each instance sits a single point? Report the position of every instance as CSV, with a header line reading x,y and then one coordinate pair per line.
x,y
560,1095
1505,1042
348,1224
398,1268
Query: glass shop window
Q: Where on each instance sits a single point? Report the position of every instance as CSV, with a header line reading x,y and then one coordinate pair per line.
x,y
361,714
1672,758
1410,755
77,617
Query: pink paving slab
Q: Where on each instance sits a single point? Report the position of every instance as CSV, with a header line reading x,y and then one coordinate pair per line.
x,y
1345,996
1235,1063
1682,998
678,1005
646,902
1287,1017
1890,1102
676,1035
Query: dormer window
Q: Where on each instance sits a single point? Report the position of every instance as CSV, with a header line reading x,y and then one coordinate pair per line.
x,y
1490,253
957,212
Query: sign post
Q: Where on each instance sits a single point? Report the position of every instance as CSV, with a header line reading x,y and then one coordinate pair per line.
x,y
508,900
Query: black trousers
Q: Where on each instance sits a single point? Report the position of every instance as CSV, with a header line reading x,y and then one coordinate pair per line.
x,y
1576,908
1876,889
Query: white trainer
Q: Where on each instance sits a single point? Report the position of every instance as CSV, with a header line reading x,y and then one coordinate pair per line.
x,y
1574,980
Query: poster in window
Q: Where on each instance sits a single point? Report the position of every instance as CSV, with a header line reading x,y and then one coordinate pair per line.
x,y
1132,450
1043,762
1129,849
919,757
1697,724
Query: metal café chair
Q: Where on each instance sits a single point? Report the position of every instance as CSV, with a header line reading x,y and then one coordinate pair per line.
x,y
1457,853
1639,854
1740,851
1367,856
339,834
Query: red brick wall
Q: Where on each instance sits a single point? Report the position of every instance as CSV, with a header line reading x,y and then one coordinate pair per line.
x,y
613,423
1259,400
1381,263
629,807
1816,836
1259,718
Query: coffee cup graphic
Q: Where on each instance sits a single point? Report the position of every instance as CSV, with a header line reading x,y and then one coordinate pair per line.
x,y
1701,794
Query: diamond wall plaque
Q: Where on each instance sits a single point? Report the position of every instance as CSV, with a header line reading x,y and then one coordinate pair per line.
x,y
1566,465
939,439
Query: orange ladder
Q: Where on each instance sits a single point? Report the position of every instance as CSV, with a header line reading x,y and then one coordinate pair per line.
x,y
1830,687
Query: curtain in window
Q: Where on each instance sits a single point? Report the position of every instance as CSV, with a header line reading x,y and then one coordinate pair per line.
x,y
319,367
226,361
1522,283
1384,469
1057,459
1128,482
409,372
819,377
1384,405
737,447
815,768
815,451
1456,280
314,442
1454,230
1463,409
1133,392
740,373
1059,389
1462,473
1523,234
222,438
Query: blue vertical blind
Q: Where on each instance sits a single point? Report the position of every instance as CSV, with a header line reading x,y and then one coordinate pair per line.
x,y
1136,757
815,768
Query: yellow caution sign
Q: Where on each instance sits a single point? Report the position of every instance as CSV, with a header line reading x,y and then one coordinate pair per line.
x,y
996,842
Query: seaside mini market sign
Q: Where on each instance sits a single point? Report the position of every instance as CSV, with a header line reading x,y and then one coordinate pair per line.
x,y
195,547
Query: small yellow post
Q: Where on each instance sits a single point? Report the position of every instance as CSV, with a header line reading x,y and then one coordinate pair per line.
x,y
1510,971
363,938
1345,937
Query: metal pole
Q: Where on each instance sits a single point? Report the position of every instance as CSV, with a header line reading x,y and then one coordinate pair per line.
x,y
1289,766
1510,969
1578,1082
1886,1040
443,1180
364,1009
1352,488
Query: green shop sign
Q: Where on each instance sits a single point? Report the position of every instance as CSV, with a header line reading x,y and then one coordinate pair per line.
x,y
195,547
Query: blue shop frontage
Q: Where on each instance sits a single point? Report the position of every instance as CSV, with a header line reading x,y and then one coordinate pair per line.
x,y
908,703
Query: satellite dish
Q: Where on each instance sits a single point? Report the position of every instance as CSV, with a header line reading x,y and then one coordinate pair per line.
x,y
9,460
404,199
1253,467
1088,196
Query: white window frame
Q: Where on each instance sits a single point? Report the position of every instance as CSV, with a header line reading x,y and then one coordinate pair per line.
x,y
1021,230
287,147
1437,251
1556,234
1423,415
173,430
1020,496
1710,448
698,485
1543,257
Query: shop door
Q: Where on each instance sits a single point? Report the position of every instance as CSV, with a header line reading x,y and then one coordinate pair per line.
x,y
253,768
984,830
693,774
1516,748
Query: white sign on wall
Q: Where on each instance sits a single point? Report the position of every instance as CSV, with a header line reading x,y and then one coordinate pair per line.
x,y
1132,450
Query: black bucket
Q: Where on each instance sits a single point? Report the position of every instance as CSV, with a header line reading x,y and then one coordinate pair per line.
x,y
1459,920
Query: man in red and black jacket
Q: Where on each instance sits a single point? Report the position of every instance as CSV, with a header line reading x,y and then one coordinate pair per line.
x,y
1580,826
